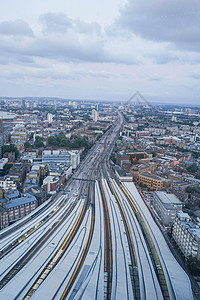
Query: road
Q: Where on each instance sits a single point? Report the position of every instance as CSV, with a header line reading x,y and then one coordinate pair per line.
x,y
95,239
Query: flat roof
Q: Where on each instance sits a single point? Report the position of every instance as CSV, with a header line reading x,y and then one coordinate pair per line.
x,y
14,194
182,214
167,198
27,198
149,175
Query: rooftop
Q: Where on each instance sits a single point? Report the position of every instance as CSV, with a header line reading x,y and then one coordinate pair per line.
x,y
149,175
27,198
167,198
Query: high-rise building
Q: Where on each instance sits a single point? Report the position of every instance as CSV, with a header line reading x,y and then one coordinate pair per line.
x,y
49,117
187,235
23,103
94,115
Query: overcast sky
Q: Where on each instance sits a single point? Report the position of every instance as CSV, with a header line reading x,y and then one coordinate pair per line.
x,y
101,49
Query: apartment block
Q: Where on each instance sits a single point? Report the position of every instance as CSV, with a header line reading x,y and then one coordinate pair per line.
x,y
187,235
166,206
61,156
151,181
13,209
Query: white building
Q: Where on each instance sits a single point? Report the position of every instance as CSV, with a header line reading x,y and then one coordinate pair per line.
x,y
49,117
166,206
8,184
75,158
3,161
62,156
187,235
94,115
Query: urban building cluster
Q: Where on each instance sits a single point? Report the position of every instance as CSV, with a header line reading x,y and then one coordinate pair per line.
x,y
42,141
160,148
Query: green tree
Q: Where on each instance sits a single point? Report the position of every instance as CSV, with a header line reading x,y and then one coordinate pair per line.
x,y
10,148
38,142
193,168
113,157
62,141
193,189
52,141
27,145
196,154
193,265
153,153
6,169
99,135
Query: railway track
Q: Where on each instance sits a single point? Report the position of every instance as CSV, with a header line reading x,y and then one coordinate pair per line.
x,y
84,252
133,268
58,254
154,255
33,250
96,159
108,256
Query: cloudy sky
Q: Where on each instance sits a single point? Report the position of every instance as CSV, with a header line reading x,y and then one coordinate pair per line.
x,y
101,49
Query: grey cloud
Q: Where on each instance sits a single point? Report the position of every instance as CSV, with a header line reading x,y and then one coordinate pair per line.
x,y
55,22
156,78
172,21
16,28
165,57
195,76
101,74
90,28
65,48
15,58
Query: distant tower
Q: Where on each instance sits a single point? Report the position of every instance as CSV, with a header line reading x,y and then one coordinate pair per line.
x,y
94,115
174,119
28,104
74,104
49,117
23,103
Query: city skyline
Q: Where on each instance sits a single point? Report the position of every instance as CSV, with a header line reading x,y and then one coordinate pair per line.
x,y
101,50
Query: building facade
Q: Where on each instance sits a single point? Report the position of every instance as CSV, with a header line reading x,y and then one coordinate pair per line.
x,y
166,206
11,210
7,183
61,156
187,235
151,181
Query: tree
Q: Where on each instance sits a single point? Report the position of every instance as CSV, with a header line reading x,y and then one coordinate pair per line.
x,y
193,189
113,157
193,265
62,141
193,168
136,156
195,154
99,135
6,169
86,118
75,141
153,153
27,145
10,148
52,141
38,142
